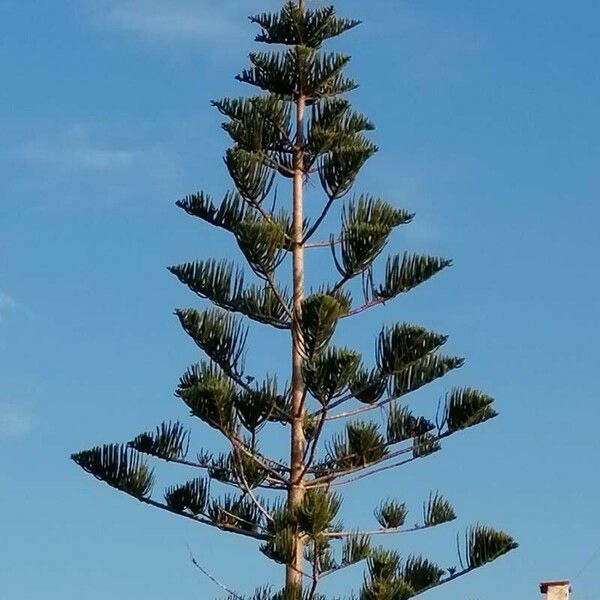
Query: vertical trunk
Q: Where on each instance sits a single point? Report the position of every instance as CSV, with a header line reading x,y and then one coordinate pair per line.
x,y
293,575
296,491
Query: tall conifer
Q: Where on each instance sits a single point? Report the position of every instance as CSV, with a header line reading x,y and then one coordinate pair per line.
x,y
300,127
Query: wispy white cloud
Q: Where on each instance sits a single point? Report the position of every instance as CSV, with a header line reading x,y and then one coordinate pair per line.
x,y
15,420
73,149
7,303
171,20
95,150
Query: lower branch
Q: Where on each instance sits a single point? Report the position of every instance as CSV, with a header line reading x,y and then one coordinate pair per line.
x,y
215,581
205,521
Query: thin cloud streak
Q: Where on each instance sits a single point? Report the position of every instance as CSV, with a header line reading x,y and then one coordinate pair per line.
x,y
94,150
7,303
15,420
170,21
9,306
74,155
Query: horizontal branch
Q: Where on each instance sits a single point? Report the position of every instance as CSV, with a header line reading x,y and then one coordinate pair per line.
x,y
445,580
205,521
362,409
363,307
379,470
324,244
325,480
381,403
381,531
276,484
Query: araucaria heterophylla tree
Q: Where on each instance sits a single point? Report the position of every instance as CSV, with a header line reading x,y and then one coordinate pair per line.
x,y
347,418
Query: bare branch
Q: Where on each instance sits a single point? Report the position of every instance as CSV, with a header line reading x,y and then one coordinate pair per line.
x,y
381,531
363,307
330,479
362,409
248,490
379,470
269,279
315,573
313,446
239,445
215,581
318,222
274,484
321,244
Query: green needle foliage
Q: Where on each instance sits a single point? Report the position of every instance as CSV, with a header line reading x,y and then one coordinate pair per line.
x,y
346,417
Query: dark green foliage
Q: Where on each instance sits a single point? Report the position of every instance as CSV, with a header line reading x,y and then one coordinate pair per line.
x,y
320,554
281,530
320,314
264,593
213,279
304,69
366,226
291,27
437,510
318,510
383,564
368,386
310,426
421,574
339,168
404,273
240,512
224,285
258,124
251,174
263,244
402,345
209,395
468,407
424,445
119,467
361,444
421,372
238,467
485,544
329,375
221,336
170,441
333,125
228,215
402,425
383,580
355,549
294,593
391,514
191,496
256,405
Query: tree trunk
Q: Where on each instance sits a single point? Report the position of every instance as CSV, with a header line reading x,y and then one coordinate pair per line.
x,y
293,577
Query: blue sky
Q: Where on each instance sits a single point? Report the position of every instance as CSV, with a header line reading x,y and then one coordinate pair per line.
x,y
488,126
